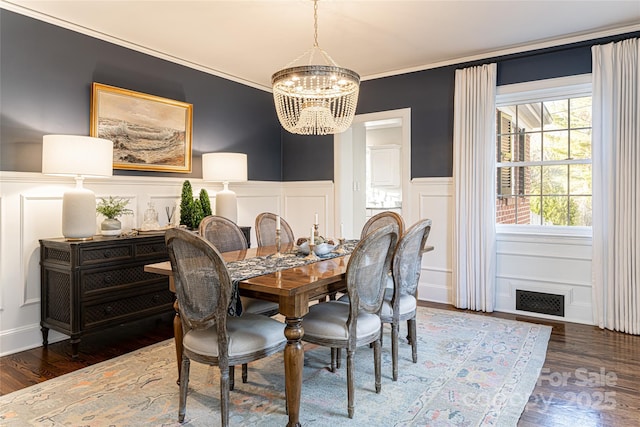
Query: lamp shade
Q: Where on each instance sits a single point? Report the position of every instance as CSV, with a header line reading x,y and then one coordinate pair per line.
x,y
78,156
224,167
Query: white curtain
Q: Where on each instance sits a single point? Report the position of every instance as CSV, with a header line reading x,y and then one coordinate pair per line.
x,y
616,185
474,176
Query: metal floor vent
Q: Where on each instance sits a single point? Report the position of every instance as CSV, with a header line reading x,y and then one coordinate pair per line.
x,y
539,302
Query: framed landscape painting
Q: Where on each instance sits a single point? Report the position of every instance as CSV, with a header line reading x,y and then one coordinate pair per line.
x,y
149,133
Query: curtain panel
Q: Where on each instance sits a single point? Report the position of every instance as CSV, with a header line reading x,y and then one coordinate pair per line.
x,y
474,176
616,185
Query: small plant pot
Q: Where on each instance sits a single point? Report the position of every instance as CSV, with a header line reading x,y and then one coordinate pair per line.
x,y
111,227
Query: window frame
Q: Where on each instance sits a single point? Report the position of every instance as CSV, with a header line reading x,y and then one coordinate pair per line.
x,y
540,91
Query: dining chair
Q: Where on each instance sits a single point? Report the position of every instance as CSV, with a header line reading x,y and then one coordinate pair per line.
x,y
266,230
226,236
400,299
380,219
350,325
211,336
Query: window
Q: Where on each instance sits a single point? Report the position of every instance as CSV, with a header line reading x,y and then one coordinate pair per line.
x,y
543,153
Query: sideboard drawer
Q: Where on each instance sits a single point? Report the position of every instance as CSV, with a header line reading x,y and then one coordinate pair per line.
x,y
101,254
126,308
101,280
150,249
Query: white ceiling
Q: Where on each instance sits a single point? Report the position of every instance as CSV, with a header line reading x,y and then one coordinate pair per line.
x,y
248,41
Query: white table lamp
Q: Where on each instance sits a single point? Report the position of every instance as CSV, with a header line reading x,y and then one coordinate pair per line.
x,y
225,168
80,157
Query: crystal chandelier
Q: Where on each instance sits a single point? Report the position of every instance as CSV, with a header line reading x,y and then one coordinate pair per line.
x,y
315,99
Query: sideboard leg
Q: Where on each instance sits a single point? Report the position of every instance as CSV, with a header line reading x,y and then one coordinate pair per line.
x,y
45,336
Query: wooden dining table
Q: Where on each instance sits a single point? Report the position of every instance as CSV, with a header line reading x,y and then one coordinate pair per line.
x,y
292,289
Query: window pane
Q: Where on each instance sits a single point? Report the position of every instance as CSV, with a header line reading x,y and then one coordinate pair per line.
x,y
554,180
580,109
529,118
521,180
580,179
533,173
580,144
581,211
556,145
534,141
555,210
523,210
549,136
506,210
535,209
504,181
556,114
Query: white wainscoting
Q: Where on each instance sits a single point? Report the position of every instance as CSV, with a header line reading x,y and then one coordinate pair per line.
x,y
558,265
532,262
433,198
31,206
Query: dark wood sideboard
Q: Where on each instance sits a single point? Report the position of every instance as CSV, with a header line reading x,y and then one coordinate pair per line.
x,y
89,286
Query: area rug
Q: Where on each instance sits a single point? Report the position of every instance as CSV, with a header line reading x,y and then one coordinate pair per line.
x,y
472,370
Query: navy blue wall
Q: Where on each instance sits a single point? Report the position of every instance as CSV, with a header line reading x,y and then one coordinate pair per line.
x,y
45,85
429,94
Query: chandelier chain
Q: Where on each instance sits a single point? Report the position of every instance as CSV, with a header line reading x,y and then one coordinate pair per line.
x,y
315,23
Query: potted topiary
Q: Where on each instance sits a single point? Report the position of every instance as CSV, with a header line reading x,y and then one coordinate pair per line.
x,y
112,208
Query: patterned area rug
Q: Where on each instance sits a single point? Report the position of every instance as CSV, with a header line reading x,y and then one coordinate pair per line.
x,y
472,371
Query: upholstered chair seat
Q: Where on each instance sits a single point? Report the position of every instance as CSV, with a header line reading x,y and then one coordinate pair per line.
x,y
408,304
329,321
248,334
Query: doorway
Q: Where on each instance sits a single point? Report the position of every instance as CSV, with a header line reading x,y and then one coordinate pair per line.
x,y
360,190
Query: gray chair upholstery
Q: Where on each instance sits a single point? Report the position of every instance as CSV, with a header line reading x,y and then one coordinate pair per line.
x,y
211,336
400,300
266,230
338,325
226,236
381,219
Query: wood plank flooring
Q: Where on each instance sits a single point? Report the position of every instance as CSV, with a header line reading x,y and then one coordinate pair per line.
x,y
590,377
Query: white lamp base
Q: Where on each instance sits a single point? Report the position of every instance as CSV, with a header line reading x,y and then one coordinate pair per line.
x,y
79,213
227,204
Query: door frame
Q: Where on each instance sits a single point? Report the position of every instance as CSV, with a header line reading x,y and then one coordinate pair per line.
x,y
345,185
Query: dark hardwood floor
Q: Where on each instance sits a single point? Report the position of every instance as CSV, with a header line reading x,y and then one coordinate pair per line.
x,y
590,377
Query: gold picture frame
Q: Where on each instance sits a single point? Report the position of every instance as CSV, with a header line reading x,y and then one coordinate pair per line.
x,y
149,133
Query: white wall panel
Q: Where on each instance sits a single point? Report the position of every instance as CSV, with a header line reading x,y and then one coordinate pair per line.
x,y
302,200
559,265
31,204
432,198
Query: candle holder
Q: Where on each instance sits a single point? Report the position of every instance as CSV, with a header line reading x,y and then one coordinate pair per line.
x,y
315,230
340,249
278,244
312,253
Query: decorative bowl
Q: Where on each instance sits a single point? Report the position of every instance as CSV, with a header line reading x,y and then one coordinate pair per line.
x,y
321,249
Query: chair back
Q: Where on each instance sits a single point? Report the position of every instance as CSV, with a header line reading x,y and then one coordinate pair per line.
x,y
407,260
382,219
225,235
202,281
266,230
367,270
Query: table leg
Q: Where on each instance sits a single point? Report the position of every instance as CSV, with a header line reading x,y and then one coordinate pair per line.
x,y
293,364
177,336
